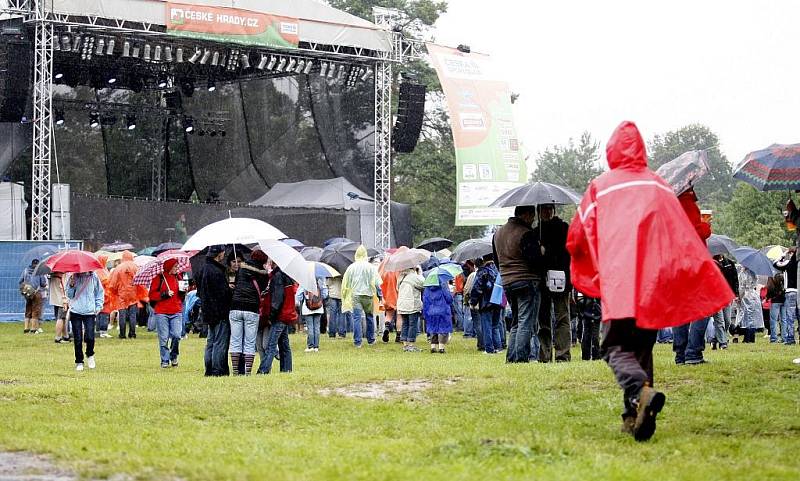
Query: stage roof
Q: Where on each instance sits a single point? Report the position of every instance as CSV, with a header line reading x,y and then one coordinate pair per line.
x,y
318,23
327,193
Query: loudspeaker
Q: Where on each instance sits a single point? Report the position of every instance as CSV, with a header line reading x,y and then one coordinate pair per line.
x,y
410,113
15,73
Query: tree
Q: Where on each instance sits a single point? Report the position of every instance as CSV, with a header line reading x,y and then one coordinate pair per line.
x,y
717,185
570,165
753,218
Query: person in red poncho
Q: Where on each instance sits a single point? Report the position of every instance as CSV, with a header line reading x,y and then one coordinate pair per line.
x,y
168,310
633,247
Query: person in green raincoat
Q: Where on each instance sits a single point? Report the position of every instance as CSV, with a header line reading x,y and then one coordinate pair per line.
x,y
360,283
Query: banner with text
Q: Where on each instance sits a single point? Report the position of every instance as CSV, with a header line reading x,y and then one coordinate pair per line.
x,y
225,24
488,157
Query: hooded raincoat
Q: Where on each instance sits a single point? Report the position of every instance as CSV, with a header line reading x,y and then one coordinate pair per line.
x,y
105,278
360,279
436,308
633,246
121,285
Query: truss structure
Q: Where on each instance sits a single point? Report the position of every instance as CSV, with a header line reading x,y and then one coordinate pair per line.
x,y
48,23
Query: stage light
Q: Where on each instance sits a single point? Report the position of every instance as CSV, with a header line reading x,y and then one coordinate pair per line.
x,y
195,56
272,61
323,69
58,75
101,47
188,124
292,63
59,117
112,79
94,119
126,49
179,54
146,56
342,69
300,66
110,47
222,133
66,43
205,57
214,59
135,51
309,65
367,74
162,81
262,62
168,53
187,87
244,59
212,86
130,121
331,70
281,63
201,132
157,53
213,133
76,43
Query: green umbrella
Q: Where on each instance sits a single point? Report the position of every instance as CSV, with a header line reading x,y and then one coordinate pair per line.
x,y
433,276
147,251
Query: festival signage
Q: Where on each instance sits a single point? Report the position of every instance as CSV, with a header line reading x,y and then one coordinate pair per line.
x,y
234,25
489,161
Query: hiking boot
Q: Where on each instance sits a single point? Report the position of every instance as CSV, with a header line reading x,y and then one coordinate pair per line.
x,y
26,331
627,425
385,337
397,338
648,406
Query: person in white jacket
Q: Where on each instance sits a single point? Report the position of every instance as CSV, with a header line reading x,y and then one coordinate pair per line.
x,y
409,306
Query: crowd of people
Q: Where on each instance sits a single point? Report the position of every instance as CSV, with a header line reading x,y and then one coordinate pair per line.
x,y
631,250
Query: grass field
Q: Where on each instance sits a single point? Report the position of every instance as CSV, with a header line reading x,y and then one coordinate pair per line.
x,y
735,418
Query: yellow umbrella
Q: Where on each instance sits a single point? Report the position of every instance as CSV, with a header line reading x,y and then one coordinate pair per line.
x,y
775,252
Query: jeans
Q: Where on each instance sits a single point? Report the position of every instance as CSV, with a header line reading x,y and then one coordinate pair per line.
x,y
82,330
458,307
490,320
244,327
277,343
216,355
409,329
312,324
363,304
689,341
469,325
524,298
170,329
722,320
664,335
790,315
128,315
475,315
336,321
556,335
102,321
776,315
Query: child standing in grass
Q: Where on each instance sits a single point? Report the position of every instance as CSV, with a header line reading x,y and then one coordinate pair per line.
x,y
437,305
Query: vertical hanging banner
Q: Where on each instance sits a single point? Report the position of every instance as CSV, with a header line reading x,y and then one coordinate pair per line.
x,y
488,157
225,24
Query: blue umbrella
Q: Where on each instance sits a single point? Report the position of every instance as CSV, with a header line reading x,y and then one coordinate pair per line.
x,y
294,243
775,168
755,261
335,240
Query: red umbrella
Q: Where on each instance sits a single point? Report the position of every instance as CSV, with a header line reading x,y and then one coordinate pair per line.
x,y
73,261
175,254
149,271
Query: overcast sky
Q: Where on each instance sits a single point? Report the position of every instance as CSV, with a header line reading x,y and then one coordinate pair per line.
x,y
587,65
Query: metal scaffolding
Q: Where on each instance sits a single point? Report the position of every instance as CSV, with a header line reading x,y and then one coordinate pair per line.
x,y
383,155
42,125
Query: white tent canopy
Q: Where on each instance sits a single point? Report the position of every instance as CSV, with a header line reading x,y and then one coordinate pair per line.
x,y
324,193
318,23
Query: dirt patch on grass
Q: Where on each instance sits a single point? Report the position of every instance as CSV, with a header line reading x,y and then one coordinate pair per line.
x,y
26,466
391,388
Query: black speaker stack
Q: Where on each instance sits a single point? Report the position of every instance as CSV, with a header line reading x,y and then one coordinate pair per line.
x,y
410,113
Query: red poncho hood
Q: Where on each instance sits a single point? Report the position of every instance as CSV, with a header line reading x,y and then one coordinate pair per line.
x,y
633,246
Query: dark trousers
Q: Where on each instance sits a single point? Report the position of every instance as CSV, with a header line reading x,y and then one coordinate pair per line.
x,y
590,339
128,316
689,340
556,334
216,355
82,331
628,350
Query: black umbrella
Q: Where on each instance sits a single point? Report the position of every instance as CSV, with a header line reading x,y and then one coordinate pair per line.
x,y
311,253
471,249
435,244
340,256
721,244
537,193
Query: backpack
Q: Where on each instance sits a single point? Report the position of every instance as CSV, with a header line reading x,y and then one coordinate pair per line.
x,y
313,301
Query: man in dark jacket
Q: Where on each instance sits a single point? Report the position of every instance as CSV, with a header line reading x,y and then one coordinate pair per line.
x,y
722,319
517,255
282,315
215,295
552,235
788,264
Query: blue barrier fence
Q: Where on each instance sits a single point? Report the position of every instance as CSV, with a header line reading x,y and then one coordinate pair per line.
x,y
15,256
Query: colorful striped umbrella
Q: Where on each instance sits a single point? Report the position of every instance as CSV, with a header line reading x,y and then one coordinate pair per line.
x,y
775,168
145,275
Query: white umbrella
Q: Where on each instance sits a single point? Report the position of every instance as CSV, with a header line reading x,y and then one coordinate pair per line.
x,y
406,259
142,260
236,230
292,263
